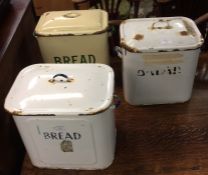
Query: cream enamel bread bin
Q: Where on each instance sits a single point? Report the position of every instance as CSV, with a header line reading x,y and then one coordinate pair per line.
x,y
159,57
75,36
65,115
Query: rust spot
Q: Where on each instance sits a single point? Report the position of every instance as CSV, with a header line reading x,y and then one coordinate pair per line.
x,y
68,80
174,50
130,49
189,28
138,37
99,32
51,35
39,115
184,33
17,112
69,34
94,112
169,27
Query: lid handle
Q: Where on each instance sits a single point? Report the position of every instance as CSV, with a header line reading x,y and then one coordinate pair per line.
x,y
71,15
66,78
161,24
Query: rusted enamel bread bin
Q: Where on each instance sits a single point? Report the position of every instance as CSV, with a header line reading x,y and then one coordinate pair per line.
x,y
75,36
65,115
159,57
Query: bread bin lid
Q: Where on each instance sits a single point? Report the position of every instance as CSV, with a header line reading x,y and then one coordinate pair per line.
x,y
160,34
73,22
61,89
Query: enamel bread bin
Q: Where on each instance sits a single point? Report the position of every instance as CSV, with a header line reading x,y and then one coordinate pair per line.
x,y
76,36
64,114
159,58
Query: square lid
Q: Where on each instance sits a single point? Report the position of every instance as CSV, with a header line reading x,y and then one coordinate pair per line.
x,y
61,89
160,34
73,22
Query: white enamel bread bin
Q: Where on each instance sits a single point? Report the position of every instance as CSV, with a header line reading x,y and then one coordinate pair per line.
x,y
75,36
159,58
64,114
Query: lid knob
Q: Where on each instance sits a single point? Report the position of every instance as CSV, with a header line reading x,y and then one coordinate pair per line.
x,y
71,15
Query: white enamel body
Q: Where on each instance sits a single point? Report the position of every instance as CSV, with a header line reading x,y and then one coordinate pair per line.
x,y
159,89
95,150
82,38
160,65
66,125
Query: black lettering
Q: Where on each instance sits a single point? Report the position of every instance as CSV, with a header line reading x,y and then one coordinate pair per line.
x,y
46,135
152,73
74,58
60,135
169,71
76,136
92,59
83,59
140,73
57,59
68,136
54,135
66,59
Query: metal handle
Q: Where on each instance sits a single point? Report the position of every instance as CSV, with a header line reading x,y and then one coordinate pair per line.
x,y
166,26
119,51
116,102
66,78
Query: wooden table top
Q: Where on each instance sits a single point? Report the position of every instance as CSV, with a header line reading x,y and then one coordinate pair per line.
x,y
161,139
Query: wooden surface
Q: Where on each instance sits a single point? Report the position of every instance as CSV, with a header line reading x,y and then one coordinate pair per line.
x,y
162,139
41,6
17,50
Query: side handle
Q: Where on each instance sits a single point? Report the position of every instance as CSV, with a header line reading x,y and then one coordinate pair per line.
x,y
119,51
